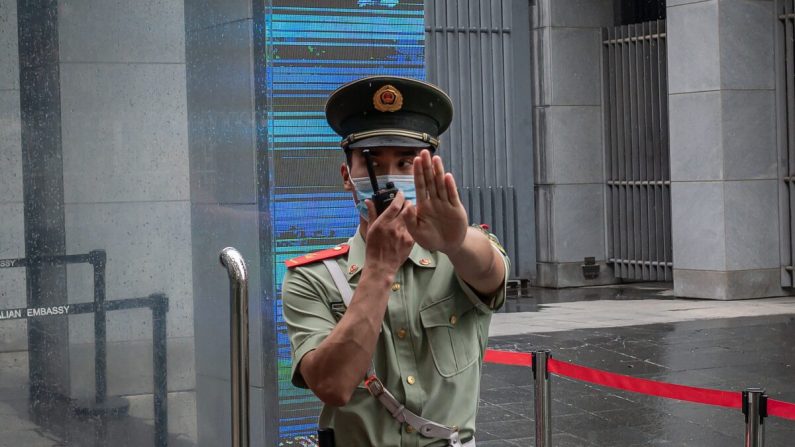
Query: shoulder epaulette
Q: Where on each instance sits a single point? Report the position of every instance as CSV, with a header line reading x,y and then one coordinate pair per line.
x,y
321,255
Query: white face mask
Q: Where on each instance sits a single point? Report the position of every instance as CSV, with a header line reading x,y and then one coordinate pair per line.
x,y
364,189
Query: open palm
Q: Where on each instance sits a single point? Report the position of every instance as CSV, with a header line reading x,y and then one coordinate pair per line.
x,y
439,220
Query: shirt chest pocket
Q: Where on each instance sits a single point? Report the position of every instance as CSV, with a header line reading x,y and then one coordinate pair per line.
x,y
451,327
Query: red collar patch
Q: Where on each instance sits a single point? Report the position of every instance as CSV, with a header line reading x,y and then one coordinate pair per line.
x,y
321,255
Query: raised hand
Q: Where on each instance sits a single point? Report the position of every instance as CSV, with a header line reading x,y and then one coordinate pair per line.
x,y
438,221
388,242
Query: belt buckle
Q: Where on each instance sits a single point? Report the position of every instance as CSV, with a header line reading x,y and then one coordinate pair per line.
x,y
455,440
374,385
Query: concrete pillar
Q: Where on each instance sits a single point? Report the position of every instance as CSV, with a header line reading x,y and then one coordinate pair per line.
x,y
220,54
724,192
570,183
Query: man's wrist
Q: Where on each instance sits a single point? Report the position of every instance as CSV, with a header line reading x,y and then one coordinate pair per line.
x,y
379,274
456,249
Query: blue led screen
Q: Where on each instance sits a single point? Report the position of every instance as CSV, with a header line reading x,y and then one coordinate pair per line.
x,y
313,47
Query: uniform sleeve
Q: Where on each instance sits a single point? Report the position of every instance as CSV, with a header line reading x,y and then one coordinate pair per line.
x,y
308,317
489,304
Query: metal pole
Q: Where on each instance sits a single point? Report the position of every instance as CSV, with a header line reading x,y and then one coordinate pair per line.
x,y
543,398
98,260
238,291
159,303
755,411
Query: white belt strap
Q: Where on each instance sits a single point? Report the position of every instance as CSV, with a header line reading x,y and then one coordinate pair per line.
x,y
399,412
340,280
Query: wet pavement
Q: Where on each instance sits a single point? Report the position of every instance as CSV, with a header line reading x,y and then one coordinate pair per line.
x,y
723,353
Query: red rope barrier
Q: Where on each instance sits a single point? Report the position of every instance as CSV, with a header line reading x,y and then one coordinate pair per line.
x,y
508,358
707,396
730,399
781,409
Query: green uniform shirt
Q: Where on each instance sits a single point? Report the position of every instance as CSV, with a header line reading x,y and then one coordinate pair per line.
x,y
428,355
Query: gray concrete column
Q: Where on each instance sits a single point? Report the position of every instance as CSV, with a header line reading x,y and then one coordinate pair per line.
x,y
570,183
222,131
724,192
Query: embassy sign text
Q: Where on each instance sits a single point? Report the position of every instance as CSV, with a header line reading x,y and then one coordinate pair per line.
x,y
31,312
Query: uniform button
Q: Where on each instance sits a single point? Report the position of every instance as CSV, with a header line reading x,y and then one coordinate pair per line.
x,y
410,380
453,320
402,333
409,429
395,287
353,268
425,261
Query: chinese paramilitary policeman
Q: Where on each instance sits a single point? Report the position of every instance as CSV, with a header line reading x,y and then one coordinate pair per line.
x,y
389,329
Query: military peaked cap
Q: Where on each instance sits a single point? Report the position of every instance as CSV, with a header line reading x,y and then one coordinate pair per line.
x,y
389,111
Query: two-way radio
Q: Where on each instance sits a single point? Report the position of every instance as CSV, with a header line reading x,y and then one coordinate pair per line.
x,y
381,197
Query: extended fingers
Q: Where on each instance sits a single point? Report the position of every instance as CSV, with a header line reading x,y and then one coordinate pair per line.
x,y
438,178
452,190
419,181
427,171
409,215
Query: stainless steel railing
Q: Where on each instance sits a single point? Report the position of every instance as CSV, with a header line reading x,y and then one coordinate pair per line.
x,y
238,319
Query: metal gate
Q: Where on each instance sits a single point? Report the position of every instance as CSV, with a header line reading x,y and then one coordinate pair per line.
x,y
785,87
479,52
637,158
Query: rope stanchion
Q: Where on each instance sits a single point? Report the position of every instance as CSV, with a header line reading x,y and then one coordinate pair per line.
x,y
755,411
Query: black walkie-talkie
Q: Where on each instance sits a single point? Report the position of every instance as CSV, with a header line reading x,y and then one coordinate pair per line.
x,y
382,197
325,437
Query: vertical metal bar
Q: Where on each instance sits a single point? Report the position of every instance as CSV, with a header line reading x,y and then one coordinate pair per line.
x,y
159,304
789,56
451,66
636,147
620,149
475,81
614,151
507,88
646,187
463,131
628,148
781,142
651,233
485,50
500,76
543,398
607,66
643,190
656,251
512,228
98,260
661,160
631,145
755,411
238,291
498,212
666,164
